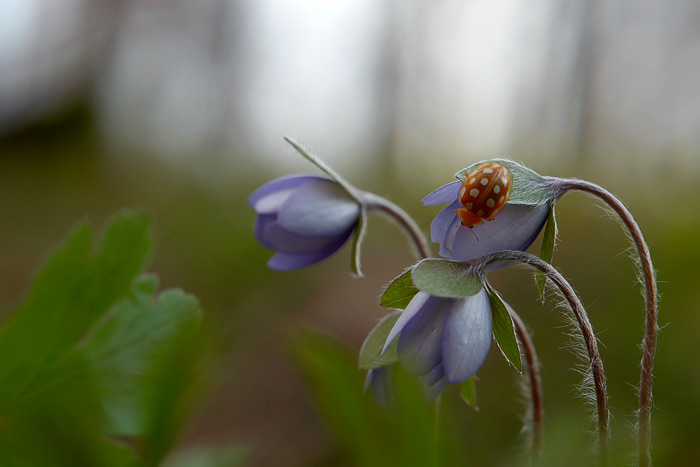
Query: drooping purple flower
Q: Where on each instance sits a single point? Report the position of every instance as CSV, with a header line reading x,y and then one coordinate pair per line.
x,y
443,339
515,227
304,218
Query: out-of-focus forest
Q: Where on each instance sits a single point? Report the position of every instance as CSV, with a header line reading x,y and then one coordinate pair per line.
x,y
179,108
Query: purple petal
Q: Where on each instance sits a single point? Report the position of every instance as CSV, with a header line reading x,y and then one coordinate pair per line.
x,y
269,197
434,390
320,208
271,235
293,261
466,337
514,228
420,342
413,307
443,221
444,194
434,375
378,380
448,242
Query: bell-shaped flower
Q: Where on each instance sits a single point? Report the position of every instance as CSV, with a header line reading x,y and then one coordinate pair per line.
x,y
443,339
514,227
304,218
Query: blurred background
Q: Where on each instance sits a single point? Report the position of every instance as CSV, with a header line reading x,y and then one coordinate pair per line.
x,y
179,107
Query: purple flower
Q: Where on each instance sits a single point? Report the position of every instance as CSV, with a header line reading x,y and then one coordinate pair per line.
x,y
304,218
515,227
443,339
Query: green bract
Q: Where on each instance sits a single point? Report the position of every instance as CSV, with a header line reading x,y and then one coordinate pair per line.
x,y
549,238
527,186
503,329
445,278
399,292
371,353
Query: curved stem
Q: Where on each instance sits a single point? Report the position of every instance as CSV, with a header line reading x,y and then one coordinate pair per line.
x,y
533,370
480,266
651,301
376,203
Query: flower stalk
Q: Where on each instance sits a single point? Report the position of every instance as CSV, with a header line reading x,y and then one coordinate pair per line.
x,y
648,277
481,265
374,203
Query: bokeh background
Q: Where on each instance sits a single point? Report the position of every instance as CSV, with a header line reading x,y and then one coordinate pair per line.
x,y
179,107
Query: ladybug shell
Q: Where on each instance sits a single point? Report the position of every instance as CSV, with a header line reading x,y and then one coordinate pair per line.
x,y
485,191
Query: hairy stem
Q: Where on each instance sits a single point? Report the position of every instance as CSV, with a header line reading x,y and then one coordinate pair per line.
x,y
533,370
379,204
651,300
376,203
481,265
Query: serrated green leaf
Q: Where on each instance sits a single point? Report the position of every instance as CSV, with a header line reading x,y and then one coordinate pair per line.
x,y
73,291
549,238
358,238
504,330
444,278
527,186
327,169
371,352
399,292
120,352
467,392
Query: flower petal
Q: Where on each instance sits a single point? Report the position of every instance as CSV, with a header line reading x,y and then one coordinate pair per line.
x,y
434,390
319,208
514,228
413,307
444,194
271,235
420,343
449,240
443,221
434,375
293,261
378,380
269,197
466,337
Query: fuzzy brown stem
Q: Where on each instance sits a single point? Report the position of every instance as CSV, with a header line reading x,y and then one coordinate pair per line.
x,y
481,265
533,370
651,302
376,203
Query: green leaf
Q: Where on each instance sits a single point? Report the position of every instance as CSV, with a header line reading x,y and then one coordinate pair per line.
x,y
399,292
467,391
73,291
503,329
120,352
321,164
358,238
371,351
444,278
549,238
527,186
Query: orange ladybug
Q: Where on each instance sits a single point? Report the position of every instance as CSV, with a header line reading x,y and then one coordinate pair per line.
x,y
485,191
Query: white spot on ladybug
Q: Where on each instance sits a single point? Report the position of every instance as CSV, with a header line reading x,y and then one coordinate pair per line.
x,y
488,171
500,201
490,202
484,181
497,189
505,181
472,181
469,205
480,213
474,192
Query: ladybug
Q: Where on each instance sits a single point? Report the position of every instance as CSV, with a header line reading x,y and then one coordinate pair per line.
x,y
485,191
